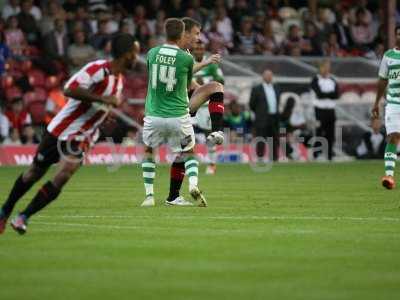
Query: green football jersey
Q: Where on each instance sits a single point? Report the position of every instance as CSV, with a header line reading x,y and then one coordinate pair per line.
x,y
390,70
170,71
211,72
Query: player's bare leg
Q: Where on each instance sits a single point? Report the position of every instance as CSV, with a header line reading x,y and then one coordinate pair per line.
x,y
213,92
48,192
393,140
21,186
149,172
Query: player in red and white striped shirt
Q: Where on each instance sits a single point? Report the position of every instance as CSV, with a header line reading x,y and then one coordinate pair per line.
x,y
92,92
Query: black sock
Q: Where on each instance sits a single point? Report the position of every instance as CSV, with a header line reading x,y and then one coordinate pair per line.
x,y
46,194
19,189
177,176
216,109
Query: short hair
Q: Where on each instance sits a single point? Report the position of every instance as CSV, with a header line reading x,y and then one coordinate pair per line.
x,y
121,44
174,29
190,23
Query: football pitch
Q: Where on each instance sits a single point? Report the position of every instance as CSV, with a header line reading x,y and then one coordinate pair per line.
x,y
299,231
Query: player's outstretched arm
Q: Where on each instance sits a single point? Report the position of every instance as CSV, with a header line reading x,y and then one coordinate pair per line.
x,y
85,95
381,87
213,59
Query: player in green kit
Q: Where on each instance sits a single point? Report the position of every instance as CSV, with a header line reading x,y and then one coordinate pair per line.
x,y
389,81
167,116
202,120
213,92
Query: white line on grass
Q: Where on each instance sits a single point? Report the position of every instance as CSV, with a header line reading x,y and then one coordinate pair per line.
x,y
294,218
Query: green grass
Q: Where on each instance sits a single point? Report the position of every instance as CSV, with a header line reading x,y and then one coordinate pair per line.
x,y
300,231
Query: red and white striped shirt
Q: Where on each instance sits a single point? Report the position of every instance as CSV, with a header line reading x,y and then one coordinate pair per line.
x,y
78,120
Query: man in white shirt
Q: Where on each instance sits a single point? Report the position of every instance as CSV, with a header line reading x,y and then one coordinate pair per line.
x,y
264,102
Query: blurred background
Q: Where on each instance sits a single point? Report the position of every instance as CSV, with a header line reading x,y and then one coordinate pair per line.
x,y
43,42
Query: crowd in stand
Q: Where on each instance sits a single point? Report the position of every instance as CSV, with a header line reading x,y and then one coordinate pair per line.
x,y
58,37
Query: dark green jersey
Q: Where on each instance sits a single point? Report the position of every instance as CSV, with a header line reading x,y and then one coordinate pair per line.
x,y
170,72
211,72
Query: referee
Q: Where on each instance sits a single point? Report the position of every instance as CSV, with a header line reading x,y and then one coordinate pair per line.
x,y
326,92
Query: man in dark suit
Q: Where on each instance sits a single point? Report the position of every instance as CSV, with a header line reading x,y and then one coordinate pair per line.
x,y
55,43
264,102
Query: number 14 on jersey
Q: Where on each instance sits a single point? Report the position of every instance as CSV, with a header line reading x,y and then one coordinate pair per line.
x,y
163,74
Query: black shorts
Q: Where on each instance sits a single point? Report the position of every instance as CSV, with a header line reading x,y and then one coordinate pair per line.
x,y
51,149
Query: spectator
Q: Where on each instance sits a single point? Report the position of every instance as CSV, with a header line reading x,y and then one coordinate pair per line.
x,y
79,53
239,11
71,7
27,22
342,31
293,120
4,54
295,41
55,102
33,9
101,36
4,126
216,41
361,4
238,121
28,136
154,6
224,26
332,48
259,22
105,50
174,9
266,41
373,142
17,115
14,37
361,30
312,41
126,26
13,138
246,39
322,23
54,11
326,92
55,43
377,53
81,21
201,12
12,8
264,102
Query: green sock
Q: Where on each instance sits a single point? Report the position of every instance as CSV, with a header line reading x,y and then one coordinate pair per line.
x,y
390,159
149,172
192,171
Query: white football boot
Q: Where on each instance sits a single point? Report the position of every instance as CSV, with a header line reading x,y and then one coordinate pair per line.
x,y
215,138
148,201
197,195
179,201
